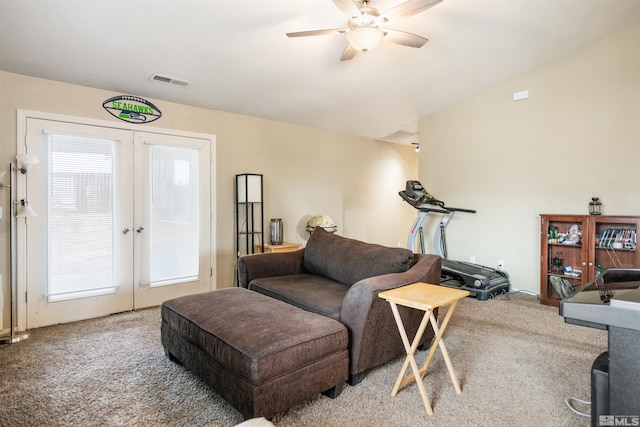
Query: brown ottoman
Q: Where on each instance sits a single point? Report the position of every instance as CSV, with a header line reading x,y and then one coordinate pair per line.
x,y
260,354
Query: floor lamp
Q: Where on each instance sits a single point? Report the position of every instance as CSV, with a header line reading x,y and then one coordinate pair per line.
x,y
18,209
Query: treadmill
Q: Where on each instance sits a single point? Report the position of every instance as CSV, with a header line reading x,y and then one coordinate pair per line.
x,y
482,282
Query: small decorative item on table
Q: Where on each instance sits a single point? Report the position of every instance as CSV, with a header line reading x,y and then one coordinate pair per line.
x,y
276,231
323,221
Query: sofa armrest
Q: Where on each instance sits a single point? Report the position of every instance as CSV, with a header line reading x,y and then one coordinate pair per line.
x,y
269,265
373,331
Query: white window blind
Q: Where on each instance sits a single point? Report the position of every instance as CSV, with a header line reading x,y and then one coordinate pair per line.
x,y
173,223
81,203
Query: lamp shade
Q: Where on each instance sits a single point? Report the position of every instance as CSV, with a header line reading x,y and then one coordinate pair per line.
x,y
365,38
26,161
249,187
24,210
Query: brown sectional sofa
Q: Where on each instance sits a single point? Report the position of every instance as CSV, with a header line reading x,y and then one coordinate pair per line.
x,y
308,321
341,278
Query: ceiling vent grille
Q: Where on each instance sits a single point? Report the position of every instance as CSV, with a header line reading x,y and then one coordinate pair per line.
x,y
170,80
401,137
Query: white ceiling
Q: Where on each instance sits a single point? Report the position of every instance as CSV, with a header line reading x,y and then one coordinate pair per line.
x,y
238,59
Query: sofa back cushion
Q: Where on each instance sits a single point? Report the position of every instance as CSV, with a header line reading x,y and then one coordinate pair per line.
x,y
349,261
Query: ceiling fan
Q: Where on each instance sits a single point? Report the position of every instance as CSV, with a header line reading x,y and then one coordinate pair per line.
x,y
366,25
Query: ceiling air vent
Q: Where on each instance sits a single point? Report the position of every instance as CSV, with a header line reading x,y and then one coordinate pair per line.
x,y
169,80
401,137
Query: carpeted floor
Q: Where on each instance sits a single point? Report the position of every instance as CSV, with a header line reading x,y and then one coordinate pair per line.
x,y
517,361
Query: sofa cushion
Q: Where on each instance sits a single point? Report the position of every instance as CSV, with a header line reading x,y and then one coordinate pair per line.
x,y
348,261
313,293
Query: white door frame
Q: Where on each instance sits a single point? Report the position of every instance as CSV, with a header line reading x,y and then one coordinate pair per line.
x,y
21,148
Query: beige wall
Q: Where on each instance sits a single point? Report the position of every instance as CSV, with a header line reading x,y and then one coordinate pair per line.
x,y
577,136
306,171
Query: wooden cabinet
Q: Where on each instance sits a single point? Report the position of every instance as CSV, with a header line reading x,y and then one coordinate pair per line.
x,y
576,248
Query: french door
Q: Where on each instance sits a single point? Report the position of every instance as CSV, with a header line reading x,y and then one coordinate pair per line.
x,y
123,220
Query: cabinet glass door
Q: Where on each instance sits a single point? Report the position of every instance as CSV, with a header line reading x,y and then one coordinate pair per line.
x,y
614,243
565,262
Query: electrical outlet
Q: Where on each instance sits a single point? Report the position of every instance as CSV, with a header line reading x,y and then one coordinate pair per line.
x,y
500,264
472,259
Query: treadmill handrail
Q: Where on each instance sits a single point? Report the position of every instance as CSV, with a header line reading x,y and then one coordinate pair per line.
x,y
434,210
425,206
460,210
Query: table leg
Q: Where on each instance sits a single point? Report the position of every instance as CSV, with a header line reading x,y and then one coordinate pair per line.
x,y
402,379
439,342
410,360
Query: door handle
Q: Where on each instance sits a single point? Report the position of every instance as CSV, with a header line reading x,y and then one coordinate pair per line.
x,y
125,231
140,229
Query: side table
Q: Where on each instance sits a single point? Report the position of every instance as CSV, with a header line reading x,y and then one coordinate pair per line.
x,y
285,247
426,297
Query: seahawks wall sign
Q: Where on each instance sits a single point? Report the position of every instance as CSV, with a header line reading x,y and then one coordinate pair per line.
x,y
132,109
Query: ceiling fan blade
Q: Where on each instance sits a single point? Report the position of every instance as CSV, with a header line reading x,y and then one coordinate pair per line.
x,y
348,53
318,32
348,7
409,8
403,38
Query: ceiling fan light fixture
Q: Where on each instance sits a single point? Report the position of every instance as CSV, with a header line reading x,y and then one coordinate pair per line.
x,y
365,38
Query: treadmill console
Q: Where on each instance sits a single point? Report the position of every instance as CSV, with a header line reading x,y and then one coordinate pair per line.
x,y
417,196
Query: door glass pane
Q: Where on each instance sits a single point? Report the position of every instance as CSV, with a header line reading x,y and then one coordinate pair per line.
x,y
172,238
80,217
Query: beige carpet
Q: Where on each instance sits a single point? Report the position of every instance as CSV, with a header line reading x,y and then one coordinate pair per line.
x,y
517,361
